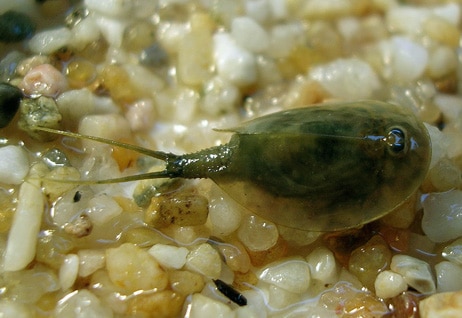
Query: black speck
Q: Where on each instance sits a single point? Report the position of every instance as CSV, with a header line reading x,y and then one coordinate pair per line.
x,y
230,292
77,196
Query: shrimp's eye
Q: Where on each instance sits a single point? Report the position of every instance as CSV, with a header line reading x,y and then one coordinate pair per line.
x,y
396,141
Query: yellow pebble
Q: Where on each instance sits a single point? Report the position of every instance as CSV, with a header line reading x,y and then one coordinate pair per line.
x,y
80,73
442,31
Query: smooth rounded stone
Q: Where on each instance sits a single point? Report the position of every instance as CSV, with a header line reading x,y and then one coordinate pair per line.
x,y
81,303
389,284
41,111
233,62
123,8
68,271
15,26
220,96
249,34
90,261
195,58
102,208
154,56
8,65
280,298
84,33
48,42
204,307
14,164
109,126
448,277
447,305
10,98
442,219
141,115
258,10
169,256
453,252
257,234
225,214
283,39
12,308
44,80
349,78
416,273
205,260
292,275
322,265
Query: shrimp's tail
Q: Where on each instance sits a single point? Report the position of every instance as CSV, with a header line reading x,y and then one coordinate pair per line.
x,y
152,153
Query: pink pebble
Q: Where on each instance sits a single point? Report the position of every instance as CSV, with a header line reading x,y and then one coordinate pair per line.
x,y
43,80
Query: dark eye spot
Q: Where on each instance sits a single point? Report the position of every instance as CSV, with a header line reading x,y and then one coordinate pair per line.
x,y
396,140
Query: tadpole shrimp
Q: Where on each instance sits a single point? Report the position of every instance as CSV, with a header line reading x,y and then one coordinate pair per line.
x,y
319,168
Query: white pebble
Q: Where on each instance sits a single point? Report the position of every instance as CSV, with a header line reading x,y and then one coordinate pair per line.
x,y
442,61
102,208
406,19
81,304
322,265
220,96
50,41
442,219
347,78
205,307
16,309
292,275
109,126
280,298
112,29
169,256
249,34
90,261
123,8
448,277
404,59
453,252
283,39
278,9
258,10
205,260
447,305
233,62
85,32
75,104
68,271
14,164
257,234
389,284
141,115
22,238
224,213
416,273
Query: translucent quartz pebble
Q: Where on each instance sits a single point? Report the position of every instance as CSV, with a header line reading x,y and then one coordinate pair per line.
x,y
416,273
169,256
14,164
68,271
336,77
47,42
448,305
453,252
186,282
205,307
205,260
132,268
11,308
442,220
291,275
257,234
90,261
249,34
83,304
367,261
448,277
233,62
322,265
389,284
